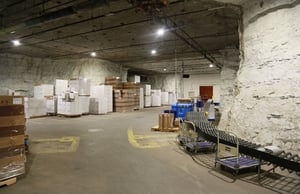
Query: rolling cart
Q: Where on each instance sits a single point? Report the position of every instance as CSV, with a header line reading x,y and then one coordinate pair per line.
x,y
190,139
229,156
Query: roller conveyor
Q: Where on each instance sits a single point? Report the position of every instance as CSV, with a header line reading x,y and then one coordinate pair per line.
x,y
209,132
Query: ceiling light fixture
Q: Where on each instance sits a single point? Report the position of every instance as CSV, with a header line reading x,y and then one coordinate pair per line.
x,y
160,32
16,42
93,54
165,69
211,65
153,52
12,32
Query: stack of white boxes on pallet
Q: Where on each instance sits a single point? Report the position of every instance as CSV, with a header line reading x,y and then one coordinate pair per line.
x,y
172,98
164,98
147,92
155,97
82,86
68,104
141,98
101,101
37,106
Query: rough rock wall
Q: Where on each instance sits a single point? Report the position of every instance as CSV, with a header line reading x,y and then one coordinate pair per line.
x,y
266,107
22,73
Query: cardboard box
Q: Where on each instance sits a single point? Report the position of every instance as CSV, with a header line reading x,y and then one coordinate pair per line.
x,y
11,110
9,121
11,141
12,130
11,100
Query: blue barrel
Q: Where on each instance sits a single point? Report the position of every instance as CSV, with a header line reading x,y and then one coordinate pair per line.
x,y
182,109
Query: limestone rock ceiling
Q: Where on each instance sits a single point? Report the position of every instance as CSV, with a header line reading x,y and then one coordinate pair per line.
x,y
198,31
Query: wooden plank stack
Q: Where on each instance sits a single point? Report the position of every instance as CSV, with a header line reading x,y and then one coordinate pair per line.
x,y
126,96
12,125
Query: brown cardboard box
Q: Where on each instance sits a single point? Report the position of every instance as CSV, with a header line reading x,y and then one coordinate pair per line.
x,y
11,141
12,130
4,162
12,121
11,100
11,110
160,121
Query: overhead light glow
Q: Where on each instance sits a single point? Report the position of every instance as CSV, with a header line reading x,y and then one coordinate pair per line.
x,y
160,32
165,69
16,42
153,52
211,65
12,32
93,54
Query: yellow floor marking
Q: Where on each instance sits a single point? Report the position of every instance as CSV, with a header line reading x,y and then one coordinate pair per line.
x,y
142,145
74,141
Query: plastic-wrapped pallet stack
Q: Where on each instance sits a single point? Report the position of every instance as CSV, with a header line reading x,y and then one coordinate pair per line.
x,y
42,91
12,125
147,93
68,104
61,86
82,86
35,107
172,98
141,98
101,99
164,98
155,97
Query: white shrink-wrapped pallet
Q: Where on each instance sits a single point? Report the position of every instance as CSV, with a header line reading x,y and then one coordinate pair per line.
x,y
68,105
164,98
156,98
172,98
105,92
147,90
141,98
44,90
135,79
147,101
51,104
98,106
84,104
61,86
82,86
35,107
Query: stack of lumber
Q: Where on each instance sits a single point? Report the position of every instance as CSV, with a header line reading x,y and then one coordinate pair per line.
x,y
12,125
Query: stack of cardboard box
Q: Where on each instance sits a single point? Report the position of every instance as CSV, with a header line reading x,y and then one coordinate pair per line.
x,y
12,125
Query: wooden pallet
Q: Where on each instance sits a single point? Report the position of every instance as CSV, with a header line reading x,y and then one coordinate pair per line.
x,y
39,116
156,128
8,182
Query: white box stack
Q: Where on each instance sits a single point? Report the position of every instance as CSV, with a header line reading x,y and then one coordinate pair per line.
x,y
42,91
156,98
82,86
51,104
147,90
68,104
164,98
172,98
98,106
61,86
35,107
135,79
141,98
103,97
147,101
84,104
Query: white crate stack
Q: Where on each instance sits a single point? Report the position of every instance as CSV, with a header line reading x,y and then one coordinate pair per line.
x,y
84,103
42,91
141,98
101,101
61,86
35,107
82,86
155,98
172,98
68,104
51,104
164,98
147,97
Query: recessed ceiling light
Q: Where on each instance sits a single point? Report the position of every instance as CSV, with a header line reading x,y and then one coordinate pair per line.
x,y
165,69
160,32
211,65
16,42
93,54
153,52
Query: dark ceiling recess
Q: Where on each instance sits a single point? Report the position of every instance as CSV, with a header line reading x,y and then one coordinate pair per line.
x,y
123,31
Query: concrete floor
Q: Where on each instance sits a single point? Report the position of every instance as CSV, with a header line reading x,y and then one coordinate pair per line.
x,y
106,162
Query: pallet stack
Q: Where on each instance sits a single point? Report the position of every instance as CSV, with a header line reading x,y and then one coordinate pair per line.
x,y
12,125
126,96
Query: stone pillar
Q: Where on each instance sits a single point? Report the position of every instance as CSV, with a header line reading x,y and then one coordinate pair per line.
x,y
266,108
